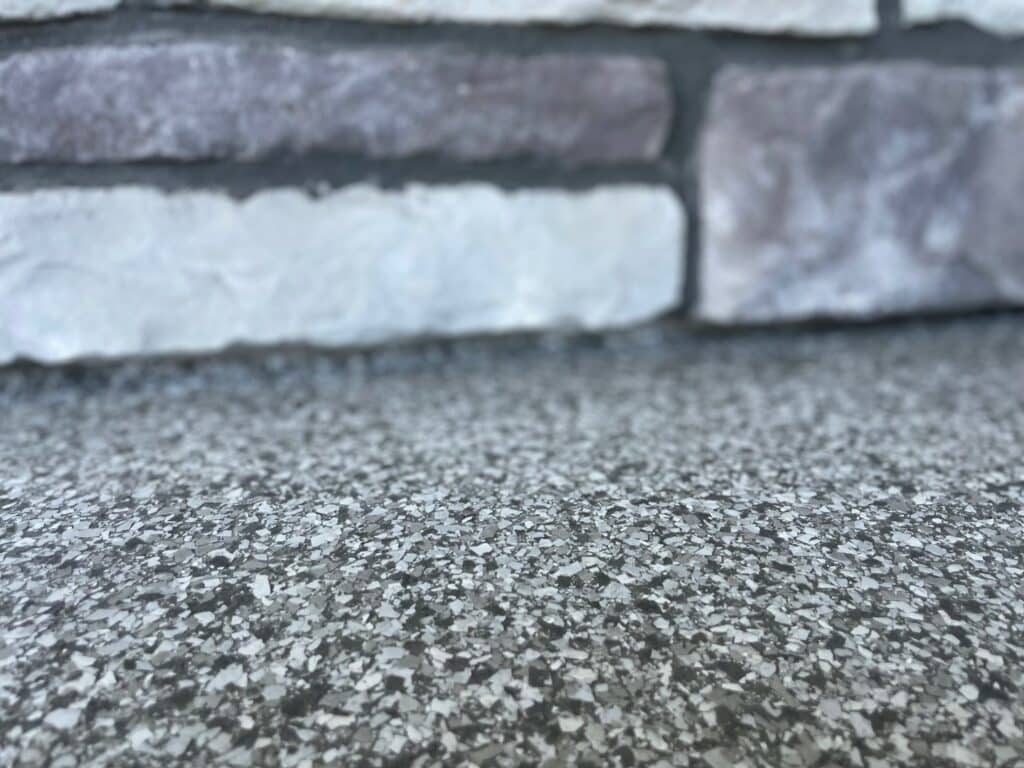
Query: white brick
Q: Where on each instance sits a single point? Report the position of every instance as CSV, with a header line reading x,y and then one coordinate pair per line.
x,y
813,17
802,17
134,270
42,9
1000,16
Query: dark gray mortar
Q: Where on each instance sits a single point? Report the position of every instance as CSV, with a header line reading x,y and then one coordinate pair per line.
x,y
246,101
862,191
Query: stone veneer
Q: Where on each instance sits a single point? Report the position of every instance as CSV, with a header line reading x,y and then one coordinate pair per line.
x,y
896,191
130,270
838,189
807,17
811,17
99,103
1004,17
47,9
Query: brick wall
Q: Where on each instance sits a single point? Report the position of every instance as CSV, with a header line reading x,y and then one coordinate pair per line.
x,y
177,176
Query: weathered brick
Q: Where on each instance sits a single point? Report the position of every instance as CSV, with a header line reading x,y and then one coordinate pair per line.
x,y
803,17
1005,17
46,9
244,101
861,191
132,270
812,17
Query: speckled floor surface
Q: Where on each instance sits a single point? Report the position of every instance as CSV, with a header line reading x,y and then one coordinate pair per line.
x,y
774,549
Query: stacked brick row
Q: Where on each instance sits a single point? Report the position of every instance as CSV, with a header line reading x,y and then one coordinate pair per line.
x,y
853,190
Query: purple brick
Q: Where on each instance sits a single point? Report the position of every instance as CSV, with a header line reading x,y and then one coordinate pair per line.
x,y
246,101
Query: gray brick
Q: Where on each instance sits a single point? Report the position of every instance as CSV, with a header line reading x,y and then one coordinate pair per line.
x,y
198,100
862,191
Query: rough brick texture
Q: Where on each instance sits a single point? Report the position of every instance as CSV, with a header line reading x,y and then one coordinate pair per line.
x,y
46,9
132,270
1005,17
101,103
814,17
805,17
862,191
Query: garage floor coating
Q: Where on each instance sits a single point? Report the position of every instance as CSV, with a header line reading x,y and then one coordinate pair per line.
x,y
785,548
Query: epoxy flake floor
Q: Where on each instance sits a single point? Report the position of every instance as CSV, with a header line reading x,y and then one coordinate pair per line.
x,y
788,548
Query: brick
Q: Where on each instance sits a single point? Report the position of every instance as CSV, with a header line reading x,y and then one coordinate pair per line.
x,y
133,270
798,17
807,17
1005,17
861,192
139,102
45,9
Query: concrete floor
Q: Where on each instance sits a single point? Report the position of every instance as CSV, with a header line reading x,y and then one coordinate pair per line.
x,y
787,548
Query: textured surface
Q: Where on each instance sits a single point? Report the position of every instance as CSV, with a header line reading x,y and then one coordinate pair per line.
x,y
781,550
43,9
896,191
818,17
99,103
812,17
133,270
999,16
